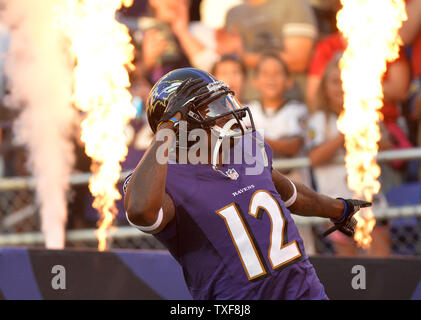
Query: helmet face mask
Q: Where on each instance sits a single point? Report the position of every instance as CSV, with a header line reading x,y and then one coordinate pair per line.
x,y
218,112
222,118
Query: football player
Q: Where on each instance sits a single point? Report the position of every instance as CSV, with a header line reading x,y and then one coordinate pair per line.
x,y
229,227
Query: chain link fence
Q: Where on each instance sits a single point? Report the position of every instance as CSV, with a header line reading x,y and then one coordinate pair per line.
x,y
18,212
20,220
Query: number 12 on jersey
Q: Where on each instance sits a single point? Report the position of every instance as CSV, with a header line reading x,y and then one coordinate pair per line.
x,y
278,254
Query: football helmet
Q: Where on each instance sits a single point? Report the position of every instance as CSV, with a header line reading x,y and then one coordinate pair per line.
x,y
221,103
221,113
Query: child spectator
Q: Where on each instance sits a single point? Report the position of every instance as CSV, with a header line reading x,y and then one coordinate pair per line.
x,y
282,121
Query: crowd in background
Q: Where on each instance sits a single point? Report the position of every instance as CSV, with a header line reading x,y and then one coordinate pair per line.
x,y
281,58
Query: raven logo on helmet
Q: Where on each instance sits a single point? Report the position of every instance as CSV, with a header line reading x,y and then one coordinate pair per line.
x,y
161,93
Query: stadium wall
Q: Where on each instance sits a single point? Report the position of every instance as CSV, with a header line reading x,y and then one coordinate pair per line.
x,y
154,275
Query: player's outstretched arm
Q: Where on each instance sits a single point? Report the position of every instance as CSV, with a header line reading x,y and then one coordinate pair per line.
x,y
145,200
310,203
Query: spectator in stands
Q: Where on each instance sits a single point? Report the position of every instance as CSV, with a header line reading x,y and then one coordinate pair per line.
x,y
232,71
395,84
202,43
411,36
287,27
325,142
323,53
171,41
282,120
161,49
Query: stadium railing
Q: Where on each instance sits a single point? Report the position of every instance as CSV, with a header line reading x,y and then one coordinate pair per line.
x,y
20,189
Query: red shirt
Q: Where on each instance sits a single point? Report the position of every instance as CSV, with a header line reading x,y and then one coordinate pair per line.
x,y
324,52
327,48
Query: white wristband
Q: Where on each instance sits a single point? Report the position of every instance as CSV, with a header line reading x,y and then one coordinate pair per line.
x,y
292,199
149,228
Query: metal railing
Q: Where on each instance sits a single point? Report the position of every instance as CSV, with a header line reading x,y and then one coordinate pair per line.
x,y
37,238
124,233
383,156
16,183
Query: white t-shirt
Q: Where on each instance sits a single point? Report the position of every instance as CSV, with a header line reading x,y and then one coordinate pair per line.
x,y
330,179
286,122
289,121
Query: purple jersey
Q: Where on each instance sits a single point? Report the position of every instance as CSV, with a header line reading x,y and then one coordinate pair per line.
x,y
234,238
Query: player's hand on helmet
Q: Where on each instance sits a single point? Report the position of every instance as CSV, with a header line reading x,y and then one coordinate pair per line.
x,y
347,222
191,93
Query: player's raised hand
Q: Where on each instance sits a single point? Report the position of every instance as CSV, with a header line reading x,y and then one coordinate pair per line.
x,y
347,223
187,95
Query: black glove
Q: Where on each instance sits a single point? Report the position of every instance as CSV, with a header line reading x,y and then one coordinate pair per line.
x,y
347,223
191,93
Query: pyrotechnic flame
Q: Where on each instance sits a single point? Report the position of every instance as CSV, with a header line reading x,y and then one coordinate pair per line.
x,y
371,30
102,49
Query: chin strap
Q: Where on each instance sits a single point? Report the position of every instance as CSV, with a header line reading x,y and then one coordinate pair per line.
x,y
226,132
222,133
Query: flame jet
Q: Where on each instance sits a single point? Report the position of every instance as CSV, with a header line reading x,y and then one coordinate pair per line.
x,y
103,52
371,30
